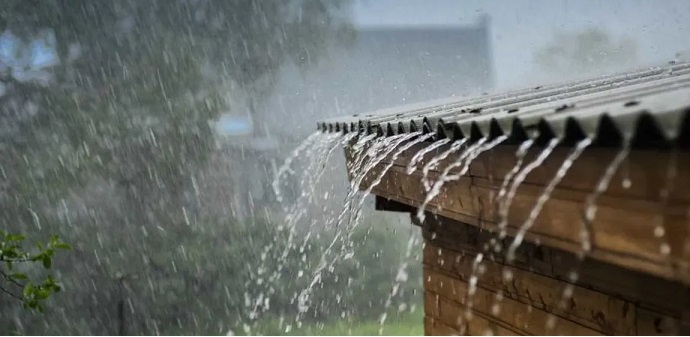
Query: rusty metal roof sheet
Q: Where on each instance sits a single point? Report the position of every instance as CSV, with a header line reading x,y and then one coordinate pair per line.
x,y
649,106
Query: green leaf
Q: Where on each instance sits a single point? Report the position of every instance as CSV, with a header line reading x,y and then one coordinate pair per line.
x,y
15,237
28,290
63,245
19,276
47,261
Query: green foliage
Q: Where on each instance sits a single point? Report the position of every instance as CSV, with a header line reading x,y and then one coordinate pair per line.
x,y
400,324
129,115
18,284
131,109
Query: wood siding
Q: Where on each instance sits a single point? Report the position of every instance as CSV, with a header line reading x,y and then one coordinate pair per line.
x,y
626,218
606,299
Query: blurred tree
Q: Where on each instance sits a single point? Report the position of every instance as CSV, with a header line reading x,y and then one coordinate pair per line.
x,y
585,53
119,95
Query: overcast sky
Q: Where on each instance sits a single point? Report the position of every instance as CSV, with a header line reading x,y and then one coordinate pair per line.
x,y
519,27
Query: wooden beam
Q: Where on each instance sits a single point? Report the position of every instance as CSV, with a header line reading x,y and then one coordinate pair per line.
x,y
627,218
606,299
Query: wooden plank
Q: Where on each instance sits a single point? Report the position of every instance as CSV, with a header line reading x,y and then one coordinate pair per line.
x,y
453,313
512,313
648,291
646,179
616,241
651,323
431,304
434,327
590,308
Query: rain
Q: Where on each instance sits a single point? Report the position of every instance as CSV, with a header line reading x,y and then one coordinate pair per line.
x,y
246,167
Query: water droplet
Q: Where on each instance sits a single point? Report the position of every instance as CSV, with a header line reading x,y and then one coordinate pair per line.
x,y
665,249
507,275
659,231
550,322
495,309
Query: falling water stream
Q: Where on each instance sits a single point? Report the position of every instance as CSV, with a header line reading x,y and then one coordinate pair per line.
x,y
519,159
412,166
433,163
536,209
591,201
504,207
544,197
464,160
319,146
586,230
380,149
286,165
367,154
390,164
664,195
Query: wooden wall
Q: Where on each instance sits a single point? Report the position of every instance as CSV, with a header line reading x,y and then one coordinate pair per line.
x,y
627,218
607,299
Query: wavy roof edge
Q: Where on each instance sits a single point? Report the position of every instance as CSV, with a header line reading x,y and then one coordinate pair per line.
x,y
648,107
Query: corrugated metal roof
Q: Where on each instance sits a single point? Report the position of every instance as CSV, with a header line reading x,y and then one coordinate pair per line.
x,y
642,107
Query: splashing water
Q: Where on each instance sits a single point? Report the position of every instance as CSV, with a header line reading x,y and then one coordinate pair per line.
x,y
433,163
504,207
321,146
435,189
354,220
288,161
468,156
664,195
390,164
591,201
545,195
520,158
503,190
400,277
412,166
380,149
472,285
590,210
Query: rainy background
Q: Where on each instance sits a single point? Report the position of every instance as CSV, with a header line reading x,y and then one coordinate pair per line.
x,y
154,177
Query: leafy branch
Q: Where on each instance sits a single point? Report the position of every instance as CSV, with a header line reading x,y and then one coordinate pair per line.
x,y
17,284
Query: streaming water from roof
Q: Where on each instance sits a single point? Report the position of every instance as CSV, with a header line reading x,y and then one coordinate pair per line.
x,y
504,207
434,162
435,188
664,195
318,147
412,166
477,270
586,230
465,159
544,197
387,167
285,168
519,159
378,150
401,276
591,201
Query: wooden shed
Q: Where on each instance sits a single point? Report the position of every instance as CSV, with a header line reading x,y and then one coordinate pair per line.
x,y
593,175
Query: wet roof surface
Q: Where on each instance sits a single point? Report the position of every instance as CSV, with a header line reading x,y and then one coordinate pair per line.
x,y
642,107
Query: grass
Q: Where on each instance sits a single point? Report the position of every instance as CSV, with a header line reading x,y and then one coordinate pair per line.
x,y
408,324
